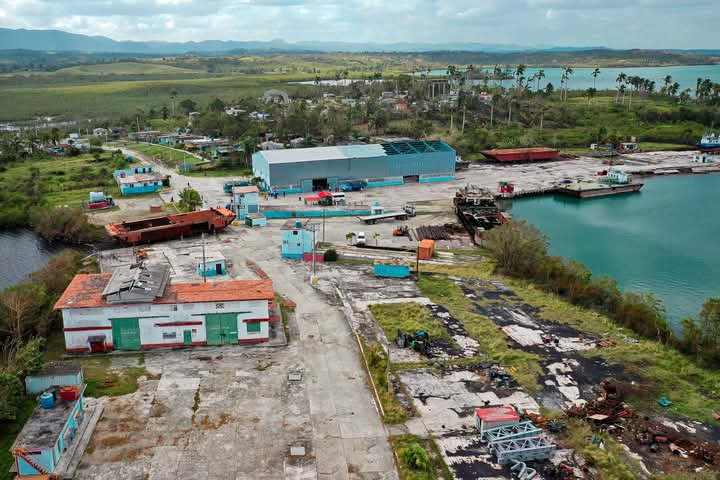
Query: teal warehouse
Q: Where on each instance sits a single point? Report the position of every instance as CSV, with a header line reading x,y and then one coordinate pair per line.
x,y
322,168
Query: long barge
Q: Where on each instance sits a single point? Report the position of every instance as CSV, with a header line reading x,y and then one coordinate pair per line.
x,y
478,211
594,189
535,154
171,226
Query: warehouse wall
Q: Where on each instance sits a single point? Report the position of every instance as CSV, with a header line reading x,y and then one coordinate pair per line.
x,y
368,168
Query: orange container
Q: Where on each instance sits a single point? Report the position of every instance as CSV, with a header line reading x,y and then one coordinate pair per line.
x,y
426,249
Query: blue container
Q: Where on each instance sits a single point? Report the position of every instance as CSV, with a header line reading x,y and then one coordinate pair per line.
x,y
47,400
394,271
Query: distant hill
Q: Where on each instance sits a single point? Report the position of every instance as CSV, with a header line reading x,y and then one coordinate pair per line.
x,y
57,40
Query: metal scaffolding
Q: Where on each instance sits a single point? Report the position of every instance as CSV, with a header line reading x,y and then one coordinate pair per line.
x,y
507,432
522,450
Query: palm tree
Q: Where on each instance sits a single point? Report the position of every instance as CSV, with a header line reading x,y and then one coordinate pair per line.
x,y
519,72
497,75
568,71
673,89
667,81
590,93
621,89
375,236
539,76
595,74
698,82
620,81
349,237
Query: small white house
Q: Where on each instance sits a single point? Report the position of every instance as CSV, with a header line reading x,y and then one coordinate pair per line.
x,y
137,307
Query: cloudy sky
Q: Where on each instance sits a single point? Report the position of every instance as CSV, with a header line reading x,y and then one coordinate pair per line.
x,y
612,23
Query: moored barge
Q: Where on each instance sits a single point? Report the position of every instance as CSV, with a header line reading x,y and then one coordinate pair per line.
x,y
477,210
596,189
535,154
171,226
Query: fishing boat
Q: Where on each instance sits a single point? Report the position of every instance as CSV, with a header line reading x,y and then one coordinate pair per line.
x,y
171,226
710,142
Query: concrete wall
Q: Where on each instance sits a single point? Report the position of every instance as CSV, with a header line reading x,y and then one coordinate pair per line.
x,y
140,187
39,383
160,325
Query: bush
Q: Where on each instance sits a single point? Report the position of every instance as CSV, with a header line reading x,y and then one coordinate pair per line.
x,y
415,457
331,255
64,224
11,395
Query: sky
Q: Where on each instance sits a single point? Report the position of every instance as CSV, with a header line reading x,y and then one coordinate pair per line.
x,y
610,23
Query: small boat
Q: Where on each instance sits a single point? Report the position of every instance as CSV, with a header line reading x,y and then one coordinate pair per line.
x,y
710,142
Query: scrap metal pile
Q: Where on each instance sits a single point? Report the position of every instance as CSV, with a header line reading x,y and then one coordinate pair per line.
x,y
439,232
477,210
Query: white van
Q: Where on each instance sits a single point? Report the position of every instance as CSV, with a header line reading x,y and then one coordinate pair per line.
x,y
360,238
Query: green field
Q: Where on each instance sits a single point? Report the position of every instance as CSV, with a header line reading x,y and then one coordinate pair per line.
x,y
125,68
169,156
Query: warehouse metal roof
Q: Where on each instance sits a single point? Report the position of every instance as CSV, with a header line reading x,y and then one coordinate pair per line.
x,y
344,152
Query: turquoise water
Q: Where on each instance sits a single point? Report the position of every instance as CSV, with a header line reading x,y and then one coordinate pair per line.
x,y
582,79
665,239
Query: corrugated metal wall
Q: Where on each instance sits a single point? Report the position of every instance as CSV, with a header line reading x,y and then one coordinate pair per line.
x,y
361,168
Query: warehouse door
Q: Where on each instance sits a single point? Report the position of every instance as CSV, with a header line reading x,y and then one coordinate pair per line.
x,y
126,333
319,184
221,328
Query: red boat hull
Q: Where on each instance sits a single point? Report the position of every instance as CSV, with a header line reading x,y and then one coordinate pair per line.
x,y
171,226
521,154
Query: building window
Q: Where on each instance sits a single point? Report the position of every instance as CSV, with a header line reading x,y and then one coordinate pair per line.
x,y
253,327
295,232
144,308
219,305
169,335
173,308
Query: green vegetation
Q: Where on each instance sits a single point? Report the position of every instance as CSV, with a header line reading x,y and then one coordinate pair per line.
x,y
419,459
408,317
169,156
610,459
189,200
104,379
524,366
124,68
32,184
378,363
9,431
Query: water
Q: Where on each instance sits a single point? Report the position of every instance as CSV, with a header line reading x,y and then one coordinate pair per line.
x,y
22,253
582,79
662,240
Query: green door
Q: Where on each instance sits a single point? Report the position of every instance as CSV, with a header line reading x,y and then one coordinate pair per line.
x,y
126,333
187,337
221,328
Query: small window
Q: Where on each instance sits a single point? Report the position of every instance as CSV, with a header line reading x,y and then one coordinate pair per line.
x,y
295,232
144,308
169,335
173,308
219,305
253,327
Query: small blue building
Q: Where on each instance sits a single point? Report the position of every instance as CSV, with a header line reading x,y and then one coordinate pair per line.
x,y
326,168
140,179
54,374
297,239
51,429
214,264
255,220
246,199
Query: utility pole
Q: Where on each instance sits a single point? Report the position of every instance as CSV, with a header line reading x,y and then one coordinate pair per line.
x,y
313,252
204,272
323,227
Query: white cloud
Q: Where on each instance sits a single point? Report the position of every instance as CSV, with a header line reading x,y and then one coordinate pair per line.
x,y
614,23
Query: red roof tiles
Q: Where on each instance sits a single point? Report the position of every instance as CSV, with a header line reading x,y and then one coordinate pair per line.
x,y
85,291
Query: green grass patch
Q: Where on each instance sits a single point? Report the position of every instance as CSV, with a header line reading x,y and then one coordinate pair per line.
x,y
378,364
523,366
611,461
124,68
234,172
103,379
408,317
436,467
8,431
169,156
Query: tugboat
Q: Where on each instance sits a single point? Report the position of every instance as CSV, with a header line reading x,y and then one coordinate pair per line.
x,y
709,143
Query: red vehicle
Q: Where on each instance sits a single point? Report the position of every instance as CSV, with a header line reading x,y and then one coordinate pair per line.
x,y
171,225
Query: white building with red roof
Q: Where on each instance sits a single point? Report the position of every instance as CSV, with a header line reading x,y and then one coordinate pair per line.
x,y
492,417
138,307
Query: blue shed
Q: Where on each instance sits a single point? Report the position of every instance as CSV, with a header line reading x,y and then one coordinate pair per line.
x,y
391,269
47,434
255,220
53,375
326,168
214,264
297,239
